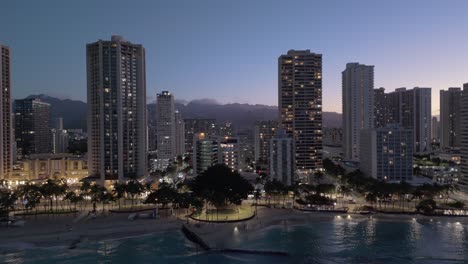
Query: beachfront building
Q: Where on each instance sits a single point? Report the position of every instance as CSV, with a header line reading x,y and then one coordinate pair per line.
x,y
38,167
281,158
6,124
300,106
32,127
358,106
388,153
117,123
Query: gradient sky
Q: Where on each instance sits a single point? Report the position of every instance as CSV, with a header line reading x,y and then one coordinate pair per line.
x,y
228,50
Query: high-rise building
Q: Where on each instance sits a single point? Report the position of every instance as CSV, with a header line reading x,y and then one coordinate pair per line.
x,y
358,106
59,140
435,130
165,126
380,115
450,117
246,149
179,134
6,124
411,109
263,132
193,126
463,182
58,123
281,158
32,127
117,122
300,105
205,152
388,153
228,152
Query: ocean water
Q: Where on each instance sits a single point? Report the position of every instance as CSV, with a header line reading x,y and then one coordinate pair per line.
x,y
336,241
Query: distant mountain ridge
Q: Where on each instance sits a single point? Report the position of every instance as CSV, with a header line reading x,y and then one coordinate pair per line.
x,y
242,116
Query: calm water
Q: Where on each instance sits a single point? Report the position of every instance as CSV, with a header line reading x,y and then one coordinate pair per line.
x,y
335,241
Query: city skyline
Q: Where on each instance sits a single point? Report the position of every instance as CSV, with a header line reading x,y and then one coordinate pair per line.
x,y
192,42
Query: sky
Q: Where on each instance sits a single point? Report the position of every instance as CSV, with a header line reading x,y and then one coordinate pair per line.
x,y
228,50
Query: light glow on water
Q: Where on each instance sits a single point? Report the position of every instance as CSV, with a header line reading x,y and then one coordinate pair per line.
x,y
341,240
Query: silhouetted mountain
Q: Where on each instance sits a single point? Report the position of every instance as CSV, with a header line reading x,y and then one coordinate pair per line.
x,y
73,112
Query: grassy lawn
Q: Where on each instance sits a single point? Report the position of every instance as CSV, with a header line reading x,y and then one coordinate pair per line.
x,y
231,214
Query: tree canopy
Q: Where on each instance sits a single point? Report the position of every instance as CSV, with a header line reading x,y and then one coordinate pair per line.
x,y
219,185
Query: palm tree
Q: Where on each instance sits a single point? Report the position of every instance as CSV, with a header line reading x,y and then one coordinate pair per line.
x,y
119,190
257,196
31,194
134,188
7,201
48,190
96,192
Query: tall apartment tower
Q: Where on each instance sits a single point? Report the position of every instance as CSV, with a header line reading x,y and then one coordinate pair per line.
x,y
117,121
264,131
300,105
411,109
380,114
6,124
32,127
463,182
435,130
165,126
179,134
450,117
358,106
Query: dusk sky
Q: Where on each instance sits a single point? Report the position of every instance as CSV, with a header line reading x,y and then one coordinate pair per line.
x,y
228,50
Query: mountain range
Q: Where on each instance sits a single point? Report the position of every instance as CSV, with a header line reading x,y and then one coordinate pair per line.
x,y
242,116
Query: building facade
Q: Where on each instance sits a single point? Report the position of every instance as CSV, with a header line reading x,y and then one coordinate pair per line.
x,y
463,182
179,134
300,105
194,126
264,131
6,124
165,126
117,121
246,149
388,153
229,152
450,117
32,127
281,158
358,106
205,153
411,109
380,107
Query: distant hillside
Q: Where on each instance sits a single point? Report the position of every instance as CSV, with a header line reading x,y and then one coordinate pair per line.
x,y
73,112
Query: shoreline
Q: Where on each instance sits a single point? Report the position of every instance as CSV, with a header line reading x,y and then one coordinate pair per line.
x,y
49,232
